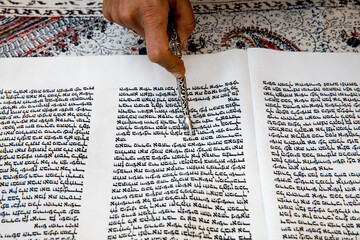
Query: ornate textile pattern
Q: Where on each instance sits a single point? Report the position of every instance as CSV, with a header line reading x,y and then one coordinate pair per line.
x,y
39,36
51,7
321,26
94,7
79,7
238,5
352,39
255,37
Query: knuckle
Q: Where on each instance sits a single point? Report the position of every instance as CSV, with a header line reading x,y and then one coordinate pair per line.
x,y
126,16
155,55
152,13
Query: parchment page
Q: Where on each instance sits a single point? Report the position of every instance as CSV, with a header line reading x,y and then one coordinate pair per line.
x,y
48,140
167,184
94,148
307,127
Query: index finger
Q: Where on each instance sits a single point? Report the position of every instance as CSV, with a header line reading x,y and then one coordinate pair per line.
x,y
157,42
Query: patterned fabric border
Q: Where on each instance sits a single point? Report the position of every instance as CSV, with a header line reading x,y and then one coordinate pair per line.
x,y
302,27
233,6
45,36
51,7
94,7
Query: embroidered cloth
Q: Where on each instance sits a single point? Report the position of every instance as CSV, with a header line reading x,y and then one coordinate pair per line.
x,y
65,27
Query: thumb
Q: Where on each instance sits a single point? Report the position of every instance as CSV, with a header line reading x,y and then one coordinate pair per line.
x,y
184,20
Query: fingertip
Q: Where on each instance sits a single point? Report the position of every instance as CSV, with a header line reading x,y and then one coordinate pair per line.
x,y
178,75
175,66
179,71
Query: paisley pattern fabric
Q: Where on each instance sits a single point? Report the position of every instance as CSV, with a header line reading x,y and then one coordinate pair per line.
x,y
64,27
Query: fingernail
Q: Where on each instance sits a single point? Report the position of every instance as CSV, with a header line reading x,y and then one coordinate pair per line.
x,y
178,74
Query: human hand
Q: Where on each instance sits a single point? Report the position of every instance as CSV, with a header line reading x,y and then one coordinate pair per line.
x,y
149,18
